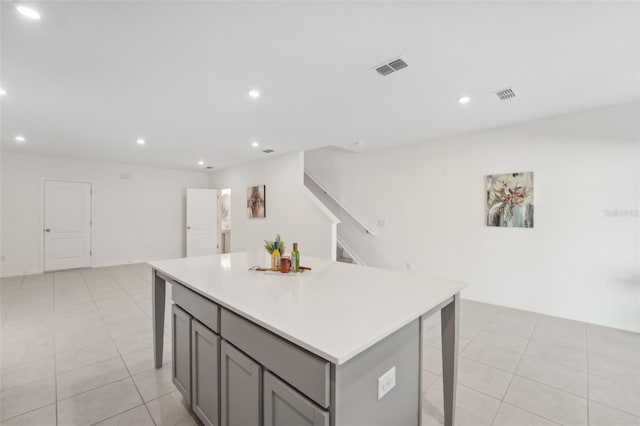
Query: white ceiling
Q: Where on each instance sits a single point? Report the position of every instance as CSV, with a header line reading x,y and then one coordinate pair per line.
x,y
90,78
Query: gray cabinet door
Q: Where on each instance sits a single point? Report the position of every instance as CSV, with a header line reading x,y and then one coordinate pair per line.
x,y
284,406
181,341
240,388
205,347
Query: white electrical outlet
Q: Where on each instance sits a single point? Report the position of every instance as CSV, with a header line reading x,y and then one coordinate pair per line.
x,y
386,382
409,266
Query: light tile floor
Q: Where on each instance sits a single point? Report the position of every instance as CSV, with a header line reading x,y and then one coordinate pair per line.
x,y
75,349
519,368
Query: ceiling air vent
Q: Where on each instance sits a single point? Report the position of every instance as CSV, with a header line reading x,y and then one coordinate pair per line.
x,y
384,70
268,151
398,64
391,66
505,94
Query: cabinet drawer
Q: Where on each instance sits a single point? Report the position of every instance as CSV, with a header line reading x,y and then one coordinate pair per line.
x,y
199,307
305,371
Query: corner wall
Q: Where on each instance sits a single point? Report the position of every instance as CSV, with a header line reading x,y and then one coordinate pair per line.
x,y
579,261
290,211
134,220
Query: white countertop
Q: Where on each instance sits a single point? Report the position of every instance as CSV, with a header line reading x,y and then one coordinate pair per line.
x,y
335,311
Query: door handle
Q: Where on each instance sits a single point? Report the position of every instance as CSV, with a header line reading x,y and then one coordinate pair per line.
x,y
47,230
188,227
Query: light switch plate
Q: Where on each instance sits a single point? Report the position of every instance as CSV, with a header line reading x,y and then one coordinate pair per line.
x,y
386,382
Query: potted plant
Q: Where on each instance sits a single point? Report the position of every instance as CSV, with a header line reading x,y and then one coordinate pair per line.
x,y
270,245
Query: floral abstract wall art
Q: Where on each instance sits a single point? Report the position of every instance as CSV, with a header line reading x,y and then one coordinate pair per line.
x,y
510,200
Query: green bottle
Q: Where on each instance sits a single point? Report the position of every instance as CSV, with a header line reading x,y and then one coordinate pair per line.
x,y
295,258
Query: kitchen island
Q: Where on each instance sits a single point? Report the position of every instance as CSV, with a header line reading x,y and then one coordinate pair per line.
x,y
340,345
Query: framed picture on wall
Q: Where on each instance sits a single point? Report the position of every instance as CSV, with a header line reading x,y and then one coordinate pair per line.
x,y
256,202
510,200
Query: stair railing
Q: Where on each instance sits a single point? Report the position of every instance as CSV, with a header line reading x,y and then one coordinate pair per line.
x,y
366,228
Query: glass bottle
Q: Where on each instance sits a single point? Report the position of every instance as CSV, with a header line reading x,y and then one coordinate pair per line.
x,y
275,257
295,258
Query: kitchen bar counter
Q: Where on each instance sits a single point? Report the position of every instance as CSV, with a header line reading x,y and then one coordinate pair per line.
x,y
337,312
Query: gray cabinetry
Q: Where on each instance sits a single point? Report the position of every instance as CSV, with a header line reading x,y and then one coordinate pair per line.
x,y
205,354
306,372
240,388
181,341
284,406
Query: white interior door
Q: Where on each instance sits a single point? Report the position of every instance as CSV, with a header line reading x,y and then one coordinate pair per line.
x,y
67,225
202,221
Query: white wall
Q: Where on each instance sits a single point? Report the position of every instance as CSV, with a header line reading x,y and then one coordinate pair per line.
x,y
289,210
576,262
136,219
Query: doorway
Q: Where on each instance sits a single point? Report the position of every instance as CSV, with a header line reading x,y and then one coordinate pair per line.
x,y
225,221
67,225
202,212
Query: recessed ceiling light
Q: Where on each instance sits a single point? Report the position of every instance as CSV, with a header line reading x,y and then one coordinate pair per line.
x,y
464,100
28,12
2,91
140,142
255,144
200,163
255,94
20,138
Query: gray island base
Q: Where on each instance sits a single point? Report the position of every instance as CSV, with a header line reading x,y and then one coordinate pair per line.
x,y
239,363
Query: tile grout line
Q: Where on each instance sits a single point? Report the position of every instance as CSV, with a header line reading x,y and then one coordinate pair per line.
x,y
115,279
22,277
115,415
114,344
514,371
544,384
586,342
532,413
55,360
122,359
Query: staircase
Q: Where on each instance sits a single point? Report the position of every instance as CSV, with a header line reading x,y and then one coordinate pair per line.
x,y
344,253
343,257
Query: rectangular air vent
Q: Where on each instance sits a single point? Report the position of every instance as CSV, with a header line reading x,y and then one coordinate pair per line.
x,y
398,64
385,70
505,94
268,151
391,66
